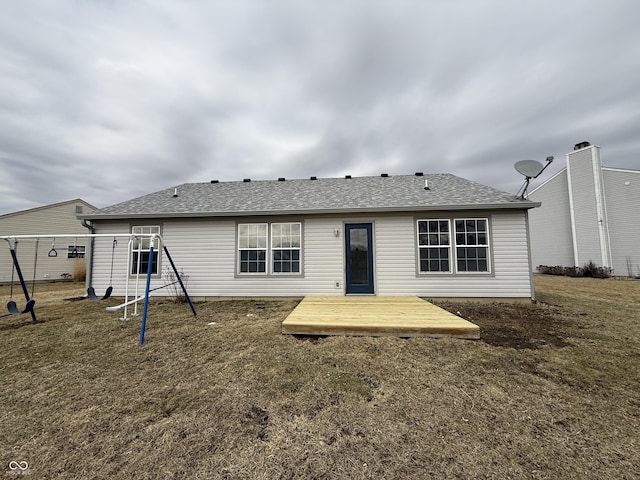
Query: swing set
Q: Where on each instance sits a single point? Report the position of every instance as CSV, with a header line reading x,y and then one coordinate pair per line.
x,y
153,238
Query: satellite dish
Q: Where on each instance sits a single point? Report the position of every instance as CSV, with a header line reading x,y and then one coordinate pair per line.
x,y
529,168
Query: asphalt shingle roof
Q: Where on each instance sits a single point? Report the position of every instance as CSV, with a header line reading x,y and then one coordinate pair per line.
x,y
324,195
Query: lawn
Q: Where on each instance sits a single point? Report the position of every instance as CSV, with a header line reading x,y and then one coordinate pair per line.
x,y
550,391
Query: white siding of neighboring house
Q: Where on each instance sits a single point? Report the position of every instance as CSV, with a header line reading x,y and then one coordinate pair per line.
x,y
622,189
53,219
550,224
205,249
586,194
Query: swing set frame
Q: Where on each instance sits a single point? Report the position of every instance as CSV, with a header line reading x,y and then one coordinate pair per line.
x,y
153,238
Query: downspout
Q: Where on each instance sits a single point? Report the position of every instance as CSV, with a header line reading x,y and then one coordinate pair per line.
x,y
89,263
531,281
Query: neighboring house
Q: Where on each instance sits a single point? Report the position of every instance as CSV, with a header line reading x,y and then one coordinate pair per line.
x,y
59,218
386,235
589,213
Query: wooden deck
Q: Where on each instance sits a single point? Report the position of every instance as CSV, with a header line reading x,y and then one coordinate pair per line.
x,y
375,316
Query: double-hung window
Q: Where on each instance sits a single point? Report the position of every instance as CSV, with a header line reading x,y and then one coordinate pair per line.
x,y
285,247
76,251
140,249
269,248
434,246
466,249
252,245
472,244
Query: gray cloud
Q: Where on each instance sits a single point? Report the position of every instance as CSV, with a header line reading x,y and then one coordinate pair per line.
x,y
107,100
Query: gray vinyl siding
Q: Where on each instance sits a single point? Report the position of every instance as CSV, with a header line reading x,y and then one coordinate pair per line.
x,y
582,191
550,224
397,269
102,254
205,249
623,202
53,219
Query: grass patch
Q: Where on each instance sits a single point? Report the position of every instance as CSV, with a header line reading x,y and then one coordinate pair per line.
x,y
550,391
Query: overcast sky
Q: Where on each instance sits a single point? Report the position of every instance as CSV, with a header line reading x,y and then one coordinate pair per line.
x,y
107,100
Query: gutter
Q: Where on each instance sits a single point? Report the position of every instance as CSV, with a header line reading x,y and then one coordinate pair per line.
x,y
254,213
89,264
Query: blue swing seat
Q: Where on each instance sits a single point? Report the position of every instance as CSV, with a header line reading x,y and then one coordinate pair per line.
x,y
91,293
12,307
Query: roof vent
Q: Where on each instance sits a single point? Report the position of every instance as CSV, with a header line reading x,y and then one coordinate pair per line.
x,y
313,178
347,176
426,184
175,192
419,174
246,180
215,181
281,179
580,145
384,175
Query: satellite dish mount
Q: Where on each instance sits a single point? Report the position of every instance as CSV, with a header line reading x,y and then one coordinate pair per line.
x,y
530,169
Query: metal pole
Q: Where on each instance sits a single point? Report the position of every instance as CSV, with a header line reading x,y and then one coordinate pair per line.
x,y
138,264
175,270
21,278
146,294
126,279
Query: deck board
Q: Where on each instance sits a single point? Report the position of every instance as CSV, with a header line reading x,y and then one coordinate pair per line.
x,y
375,316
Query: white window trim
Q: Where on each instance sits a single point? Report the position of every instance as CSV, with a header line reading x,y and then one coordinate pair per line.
x,y
80,250
156,251
487,246
269,270
453,245
255,249
449,247
272,249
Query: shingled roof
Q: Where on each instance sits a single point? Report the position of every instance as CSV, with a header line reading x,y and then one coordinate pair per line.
x,y
313,196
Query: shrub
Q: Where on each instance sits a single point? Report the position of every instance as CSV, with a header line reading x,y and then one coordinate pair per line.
x,y
589,269
592,270
176,290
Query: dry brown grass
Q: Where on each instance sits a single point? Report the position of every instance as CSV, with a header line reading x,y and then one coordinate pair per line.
x,y
550,392
79,269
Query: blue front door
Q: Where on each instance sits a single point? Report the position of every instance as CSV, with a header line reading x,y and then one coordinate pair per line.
x,y
359,258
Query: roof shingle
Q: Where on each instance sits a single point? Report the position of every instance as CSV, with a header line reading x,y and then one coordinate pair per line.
x,y
324,195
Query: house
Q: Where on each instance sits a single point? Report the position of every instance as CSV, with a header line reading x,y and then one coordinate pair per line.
x,y
55,258
588,214
426,235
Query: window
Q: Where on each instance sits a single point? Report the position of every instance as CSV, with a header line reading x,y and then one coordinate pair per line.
x,y
466,249
472,245
252,244
140,250
76,251
434,246
282,253
285,246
